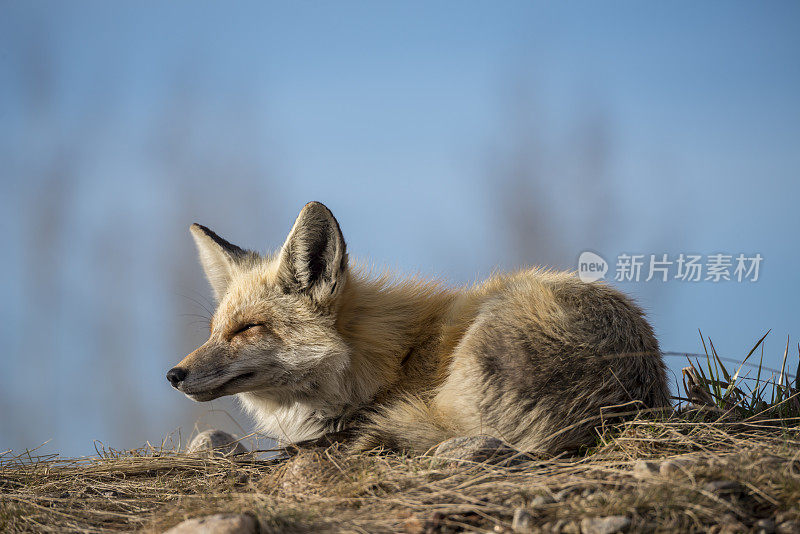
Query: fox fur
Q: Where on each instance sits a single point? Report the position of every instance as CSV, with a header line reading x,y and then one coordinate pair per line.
x,y
312,345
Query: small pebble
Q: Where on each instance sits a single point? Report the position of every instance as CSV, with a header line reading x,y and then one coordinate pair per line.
x,y
217,524
645,469
728,524
764,526
604,525
722,486
561,495
216,442
675,466
413,525
788,527
521,523
541,500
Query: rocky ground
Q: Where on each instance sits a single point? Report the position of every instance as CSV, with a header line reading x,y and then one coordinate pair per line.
x,y
642,477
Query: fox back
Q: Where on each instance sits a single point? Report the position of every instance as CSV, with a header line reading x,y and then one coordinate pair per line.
x,y
311,345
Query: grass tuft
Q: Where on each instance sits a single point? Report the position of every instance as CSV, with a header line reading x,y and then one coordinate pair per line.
x,y
775,399
726,460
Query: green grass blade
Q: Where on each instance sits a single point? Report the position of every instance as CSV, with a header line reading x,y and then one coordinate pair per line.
x,y
760,365
721,366
797,373
713,382
782,379
736,374
772,397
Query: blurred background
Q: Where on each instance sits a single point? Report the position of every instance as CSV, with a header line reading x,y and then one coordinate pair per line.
x,y
449,139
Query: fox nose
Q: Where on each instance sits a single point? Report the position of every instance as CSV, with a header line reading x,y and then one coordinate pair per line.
x,y
176,376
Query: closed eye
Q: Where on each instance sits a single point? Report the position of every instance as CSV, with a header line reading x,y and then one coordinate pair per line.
x,y
245,328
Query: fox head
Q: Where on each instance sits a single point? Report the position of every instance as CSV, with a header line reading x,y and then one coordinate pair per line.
x,y
274,330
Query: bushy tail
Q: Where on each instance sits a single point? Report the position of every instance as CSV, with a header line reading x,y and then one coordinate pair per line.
x,y
410,424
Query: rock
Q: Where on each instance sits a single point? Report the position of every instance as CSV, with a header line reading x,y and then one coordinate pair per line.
x,y
722,486
728,524
645,469
561,495
764,526
521,523
217,524
303,474
216,442
571,527
478,449
317,472
676,466
604,525
788,527
541,500
413,525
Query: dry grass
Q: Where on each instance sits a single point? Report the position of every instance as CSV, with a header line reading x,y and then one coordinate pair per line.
x,y
734,452
325,490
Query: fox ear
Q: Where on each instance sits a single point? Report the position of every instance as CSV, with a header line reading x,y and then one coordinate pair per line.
x,y
313,259
218,258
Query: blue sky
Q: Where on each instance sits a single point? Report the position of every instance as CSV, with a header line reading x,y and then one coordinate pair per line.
x,y
401,118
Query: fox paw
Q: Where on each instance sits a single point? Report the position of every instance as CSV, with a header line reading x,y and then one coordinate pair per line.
x,y
479,449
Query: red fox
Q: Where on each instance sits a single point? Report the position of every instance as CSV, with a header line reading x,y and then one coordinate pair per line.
x,y
312,345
